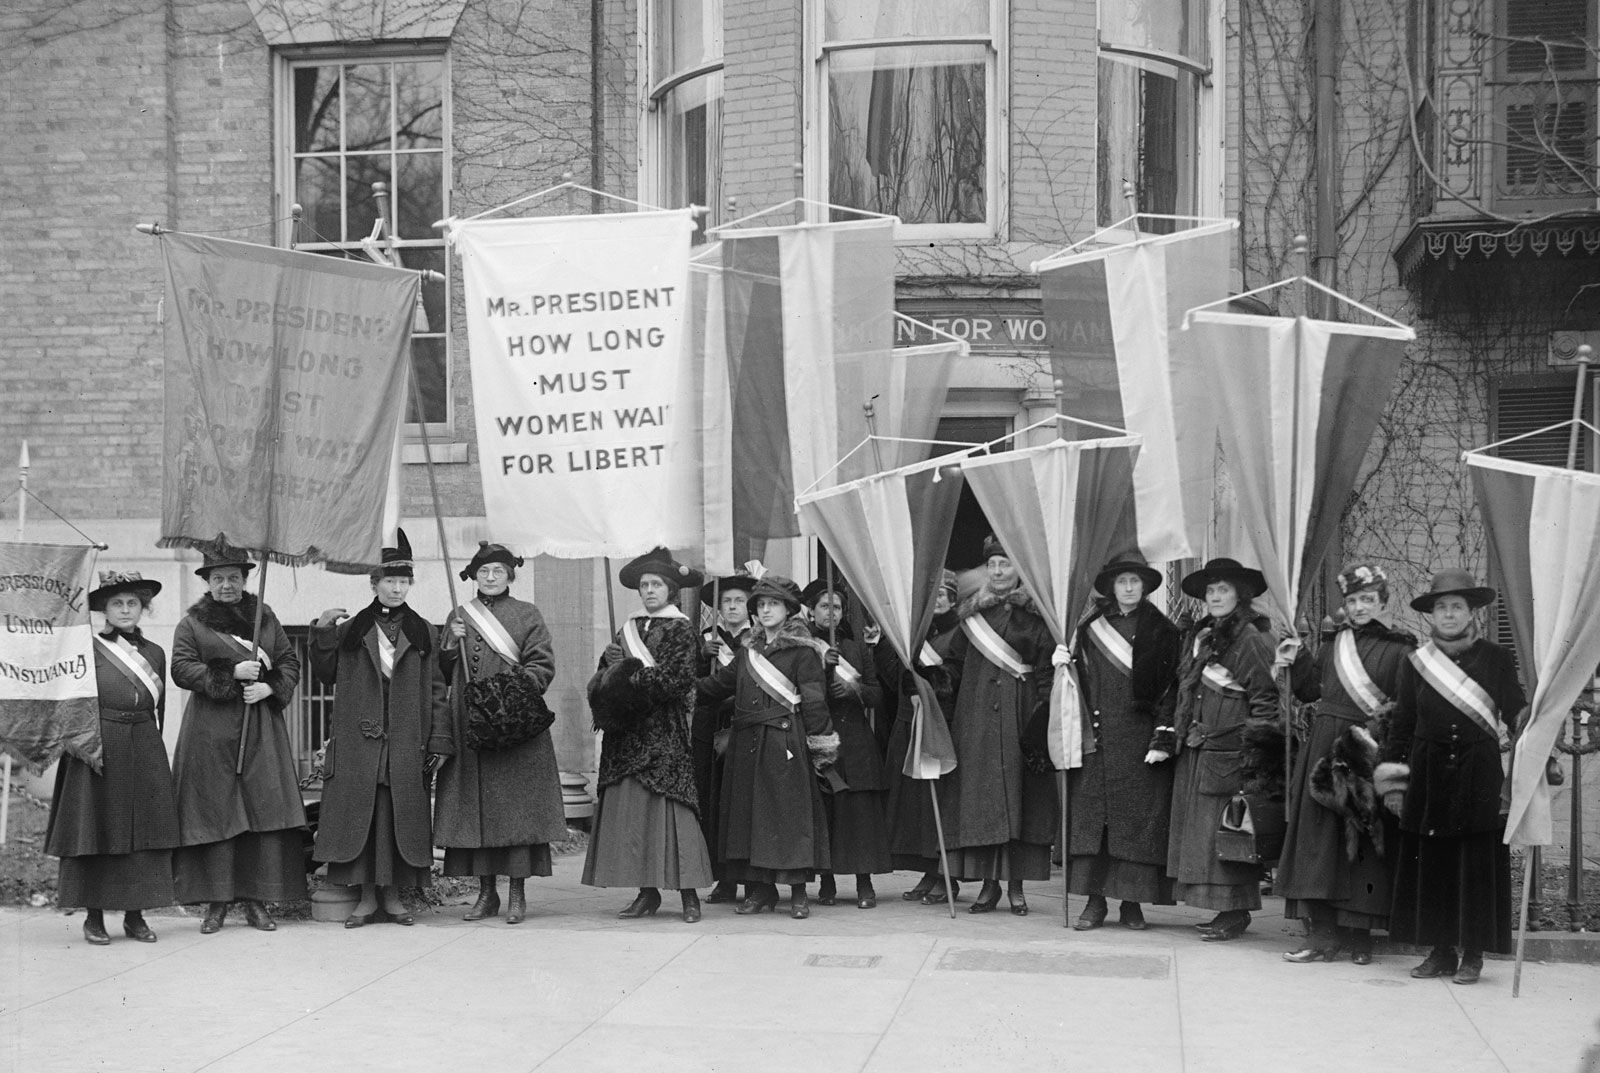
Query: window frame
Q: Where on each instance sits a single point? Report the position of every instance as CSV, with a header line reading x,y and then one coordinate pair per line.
x,y
654,183
997,88
285,63
1207,173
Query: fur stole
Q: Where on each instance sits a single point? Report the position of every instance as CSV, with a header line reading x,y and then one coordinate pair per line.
x,y
1261,757
238,619
614,703
1343,782
986,597
411,624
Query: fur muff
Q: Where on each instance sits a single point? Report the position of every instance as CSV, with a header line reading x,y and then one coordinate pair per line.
x,y
1390,777
1343,782
505,710
615,702
1261,757
220,683
824,749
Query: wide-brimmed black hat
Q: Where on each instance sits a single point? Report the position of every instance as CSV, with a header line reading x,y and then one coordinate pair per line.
x,y
659,561
813,592
777,587
1454,582
224,555
113,582
490,553
1129,562
1250,583
396,561
712,591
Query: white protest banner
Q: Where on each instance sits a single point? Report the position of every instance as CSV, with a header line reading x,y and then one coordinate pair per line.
x,y
576,328
48,699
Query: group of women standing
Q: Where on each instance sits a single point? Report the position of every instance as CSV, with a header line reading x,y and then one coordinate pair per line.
x,y
748,755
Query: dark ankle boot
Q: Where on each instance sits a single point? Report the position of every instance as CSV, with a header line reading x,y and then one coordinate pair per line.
x,y
928,881
216,913
516,901
488,903
645,905
1093,915
827,890
94,928
256,914
799,904
724,891
691,906
866,897
134,927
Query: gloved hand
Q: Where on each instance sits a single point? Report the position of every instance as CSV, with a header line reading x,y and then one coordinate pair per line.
x,y
1157,756
1394,801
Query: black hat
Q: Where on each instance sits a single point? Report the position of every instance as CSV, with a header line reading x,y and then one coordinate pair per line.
x,y
1129,562
490,553
115,581
224,555
1454,582
813,592
1250,583
659,561
992,547
777,587
712,591
396,561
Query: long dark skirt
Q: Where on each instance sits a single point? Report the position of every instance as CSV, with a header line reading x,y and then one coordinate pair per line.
x,y
138,880
380,860
858,837
265,866
1453,892
1128,881
913,833
1014,860
642,839
514,862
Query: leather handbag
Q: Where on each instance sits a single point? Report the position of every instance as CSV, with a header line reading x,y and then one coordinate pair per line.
x,y
1251,830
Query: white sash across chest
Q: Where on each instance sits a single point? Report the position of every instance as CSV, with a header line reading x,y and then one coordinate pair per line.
x,y
988,641
131,662
1117,649
773,682
1456,686
1353,675
493,632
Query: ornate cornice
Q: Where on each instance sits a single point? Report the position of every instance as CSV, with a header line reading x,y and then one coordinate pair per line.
x,y
1434,245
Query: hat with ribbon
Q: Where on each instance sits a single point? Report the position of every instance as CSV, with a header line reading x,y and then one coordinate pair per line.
x,y
396,561
224,555
659,561
490,553
113,582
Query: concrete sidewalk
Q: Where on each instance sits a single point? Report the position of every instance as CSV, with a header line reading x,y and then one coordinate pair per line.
x,y
899,988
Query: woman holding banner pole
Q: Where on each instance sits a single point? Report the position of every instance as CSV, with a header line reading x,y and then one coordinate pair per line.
x,y
642,696
1003,807
115,829
239,806
497,806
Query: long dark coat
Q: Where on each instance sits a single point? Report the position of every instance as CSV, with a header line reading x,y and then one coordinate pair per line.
x,y
1456,773
130,806
1115,794
654,746
913,834
213,803
498,797
772,811
1315,864
1209,728
991,797
860,763
403,711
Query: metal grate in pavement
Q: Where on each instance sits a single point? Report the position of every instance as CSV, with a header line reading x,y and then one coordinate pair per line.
x,y
843,961
1057,962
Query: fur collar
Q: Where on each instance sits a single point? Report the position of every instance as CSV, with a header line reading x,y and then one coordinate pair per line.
x,y
1217,636
986,597
794,633
414,626
238,619
1380,629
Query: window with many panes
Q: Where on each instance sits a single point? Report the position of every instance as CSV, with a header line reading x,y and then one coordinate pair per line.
x,y
1155,63
685,136
908,105
348,122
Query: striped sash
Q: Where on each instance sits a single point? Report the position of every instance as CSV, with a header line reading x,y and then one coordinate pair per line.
x,y
773,681
1465,695
928,657
492,631
131,662
385,654
1117,649
1353,675
993,646
266,660
633,643
847,673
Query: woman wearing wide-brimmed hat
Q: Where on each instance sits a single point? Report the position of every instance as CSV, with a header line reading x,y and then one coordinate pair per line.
x,y
1224,680
115,829
1120,800
858,832
1001,808
1335,871
729,597
1457,703
645,831
497,805
243,832
773,827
